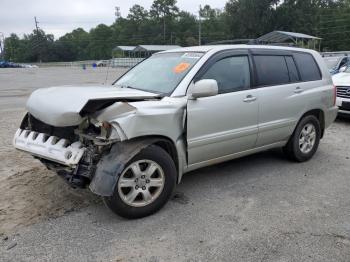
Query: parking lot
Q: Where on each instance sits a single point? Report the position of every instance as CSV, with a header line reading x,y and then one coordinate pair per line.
x,y
258,208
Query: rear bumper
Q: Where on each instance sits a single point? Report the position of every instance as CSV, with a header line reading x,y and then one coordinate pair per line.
x,y
330,116
49,147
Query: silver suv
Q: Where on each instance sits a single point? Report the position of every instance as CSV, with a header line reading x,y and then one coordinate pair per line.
x,y
178,111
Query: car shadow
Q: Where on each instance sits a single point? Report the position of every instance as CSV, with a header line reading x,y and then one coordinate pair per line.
x,y
343,118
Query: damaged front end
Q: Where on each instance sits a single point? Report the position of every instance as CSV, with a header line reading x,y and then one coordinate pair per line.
x,y
64,130
72,152
89,142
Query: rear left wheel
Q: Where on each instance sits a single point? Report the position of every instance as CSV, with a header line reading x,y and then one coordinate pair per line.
x,y
305,140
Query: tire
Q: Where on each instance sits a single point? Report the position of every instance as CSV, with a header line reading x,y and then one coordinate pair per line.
x,y
131,182
295,149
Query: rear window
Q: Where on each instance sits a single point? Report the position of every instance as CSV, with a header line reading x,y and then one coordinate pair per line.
x,y
271,70
308,68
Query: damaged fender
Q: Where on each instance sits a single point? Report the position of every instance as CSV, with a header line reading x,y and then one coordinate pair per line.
x,y
112,164
165,118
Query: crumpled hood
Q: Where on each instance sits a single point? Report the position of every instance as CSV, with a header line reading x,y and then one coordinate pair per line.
x,y
341,79
60,106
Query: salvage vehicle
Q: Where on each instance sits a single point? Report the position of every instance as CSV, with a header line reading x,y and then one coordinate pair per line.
x,y
175,112
342,83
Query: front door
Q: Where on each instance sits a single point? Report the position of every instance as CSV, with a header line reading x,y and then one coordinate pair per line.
x,y
225,124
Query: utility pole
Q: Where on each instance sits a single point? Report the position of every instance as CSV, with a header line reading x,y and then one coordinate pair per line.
x,y
36,25
164,29
2,45
171,38
38,38
199,26
117,13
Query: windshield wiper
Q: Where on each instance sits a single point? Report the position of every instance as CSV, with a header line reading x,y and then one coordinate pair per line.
x,y
160,94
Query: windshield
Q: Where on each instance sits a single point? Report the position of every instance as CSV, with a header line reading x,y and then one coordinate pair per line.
x,y
161,73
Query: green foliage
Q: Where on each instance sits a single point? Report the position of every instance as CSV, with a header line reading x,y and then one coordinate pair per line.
x,y
250,18
137,14
164,23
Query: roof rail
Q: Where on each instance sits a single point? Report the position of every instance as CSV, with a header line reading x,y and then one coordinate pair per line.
x,y
233,41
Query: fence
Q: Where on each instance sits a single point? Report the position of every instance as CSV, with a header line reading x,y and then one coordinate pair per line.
x,y
115,62
125,62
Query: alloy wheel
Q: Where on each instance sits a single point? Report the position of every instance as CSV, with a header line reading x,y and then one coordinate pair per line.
x,y
307,138
141,183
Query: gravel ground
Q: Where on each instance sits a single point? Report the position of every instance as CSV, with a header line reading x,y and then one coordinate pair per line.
x,y
258,208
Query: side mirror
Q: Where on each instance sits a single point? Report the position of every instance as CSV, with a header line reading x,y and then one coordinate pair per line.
x,y
342,69
204,88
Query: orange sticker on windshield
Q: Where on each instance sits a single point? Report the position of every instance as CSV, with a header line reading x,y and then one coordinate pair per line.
x,y
181,67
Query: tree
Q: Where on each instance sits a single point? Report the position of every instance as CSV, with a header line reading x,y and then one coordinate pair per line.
x,y
100,45
164,23
207,12
137,13
12,47
213,24
186,26
164,10
73,46
250,18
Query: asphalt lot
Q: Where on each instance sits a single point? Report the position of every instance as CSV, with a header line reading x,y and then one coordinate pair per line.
x,y
258,208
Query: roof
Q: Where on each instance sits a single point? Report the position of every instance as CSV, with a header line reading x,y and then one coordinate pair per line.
x,y
215,48
202,48
281,36
155,48
124,48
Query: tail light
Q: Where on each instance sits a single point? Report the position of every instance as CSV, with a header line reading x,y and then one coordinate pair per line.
x,y
335,95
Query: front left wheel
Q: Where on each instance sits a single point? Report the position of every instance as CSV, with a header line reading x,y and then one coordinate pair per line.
x,y
145,184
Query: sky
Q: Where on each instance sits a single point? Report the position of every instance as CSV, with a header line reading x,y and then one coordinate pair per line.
x,y
58,17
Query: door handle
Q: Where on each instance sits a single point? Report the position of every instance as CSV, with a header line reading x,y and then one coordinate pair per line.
x,y
298,90
249,99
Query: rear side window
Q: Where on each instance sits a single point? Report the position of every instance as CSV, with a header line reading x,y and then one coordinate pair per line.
x,y
308,68
271,70
293,72
231,73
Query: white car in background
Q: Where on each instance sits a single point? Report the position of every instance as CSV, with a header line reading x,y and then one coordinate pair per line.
x,y
342,82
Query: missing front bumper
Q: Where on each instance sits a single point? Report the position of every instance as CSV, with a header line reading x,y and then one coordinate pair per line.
x,y
49,147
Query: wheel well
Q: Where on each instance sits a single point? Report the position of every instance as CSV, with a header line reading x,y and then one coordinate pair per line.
x,y
169,147
319,114
166,144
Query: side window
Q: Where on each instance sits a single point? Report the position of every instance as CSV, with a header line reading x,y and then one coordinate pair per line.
x,y
271,70
308,68
231,73
293,72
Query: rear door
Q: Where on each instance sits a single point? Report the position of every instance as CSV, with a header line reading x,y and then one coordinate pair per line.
x,y
279,95
227,123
